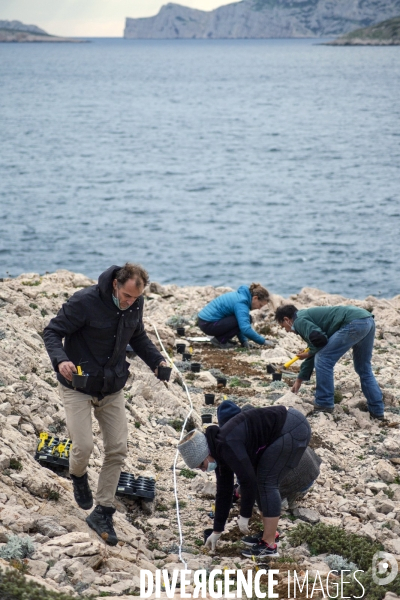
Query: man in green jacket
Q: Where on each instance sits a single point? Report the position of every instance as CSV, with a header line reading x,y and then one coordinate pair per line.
x,y
330,331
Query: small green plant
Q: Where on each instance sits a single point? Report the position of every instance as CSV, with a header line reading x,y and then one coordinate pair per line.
x,y
389,493
188,473
198,542
182,504
32,283
189,523
158,468
33,305
53,495
137,424
44,312
176,424
51,382
237,382
337,396
162,508
15,464
23,378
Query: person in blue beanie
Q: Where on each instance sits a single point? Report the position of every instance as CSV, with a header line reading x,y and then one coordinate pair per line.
x,y
229,315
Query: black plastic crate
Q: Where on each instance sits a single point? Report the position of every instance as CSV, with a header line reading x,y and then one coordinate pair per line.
x,y
141,487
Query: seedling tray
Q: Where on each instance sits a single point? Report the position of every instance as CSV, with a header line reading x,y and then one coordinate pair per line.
x,y
140,487
52,452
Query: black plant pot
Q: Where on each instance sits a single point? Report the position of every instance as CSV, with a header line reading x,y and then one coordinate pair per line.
x,y
276,376
195,367
207,533
180,331
186,356
164,373
209,398
221,381
180,348
270,369
206,418
79,381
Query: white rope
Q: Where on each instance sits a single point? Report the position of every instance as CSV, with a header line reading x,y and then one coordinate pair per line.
x,y
178,518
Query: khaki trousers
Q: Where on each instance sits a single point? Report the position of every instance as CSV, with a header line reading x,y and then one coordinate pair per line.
x,y
110,413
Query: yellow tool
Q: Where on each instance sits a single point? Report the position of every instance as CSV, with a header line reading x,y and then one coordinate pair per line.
x,y
293,360
43,437
275,369
79,370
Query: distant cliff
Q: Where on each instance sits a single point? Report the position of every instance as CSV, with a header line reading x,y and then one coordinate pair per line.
x,y
263,19
386,33
15,31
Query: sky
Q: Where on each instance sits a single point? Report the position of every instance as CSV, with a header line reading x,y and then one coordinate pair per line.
x,y
90,18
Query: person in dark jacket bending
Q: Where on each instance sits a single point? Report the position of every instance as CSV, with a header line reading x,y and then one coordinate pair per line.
x,y
330,331
259,446
96,324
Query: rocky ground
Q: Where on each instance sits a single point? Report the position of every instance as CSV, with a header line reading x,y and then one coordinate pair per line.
x,y
359,485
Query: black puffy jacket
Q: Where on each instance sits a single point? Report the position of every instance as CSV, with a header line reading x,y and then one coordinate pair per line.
x,y
96,334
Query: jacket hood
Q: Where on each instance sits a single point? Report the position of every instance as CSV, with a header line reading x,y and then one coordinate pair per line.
x,y
244,291
105,284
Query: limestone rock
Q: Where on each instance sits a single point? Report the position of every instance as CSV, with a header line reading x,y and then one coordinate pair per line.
x,y
306,514
49,526
386,471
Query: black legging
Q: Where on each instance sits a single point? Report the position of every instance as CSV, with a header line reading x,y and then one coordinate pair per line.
x,y
281,456
224,329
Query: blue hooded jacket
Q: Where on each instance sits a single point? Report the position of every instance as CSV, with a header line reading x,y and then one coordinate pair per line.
x,y
233,303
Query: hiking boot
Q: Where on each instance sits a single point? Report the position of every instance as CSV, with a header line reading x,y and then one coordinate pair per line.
x,y
325,409
82,492
250,540
220,345
102,522
261,550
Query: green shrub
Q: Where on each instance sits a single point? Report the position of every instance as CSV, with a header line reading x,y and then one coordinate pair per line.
x,y
15,586
17,548
373,591
15,464
334,540
188,473
337,396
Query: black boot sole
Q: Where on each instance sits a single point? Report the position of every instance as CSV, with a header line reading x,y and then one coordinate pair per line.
x,y
110,540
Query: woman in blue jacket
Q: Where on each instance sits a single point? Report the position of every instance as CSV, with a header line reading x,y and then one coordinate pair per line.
x,y
229,315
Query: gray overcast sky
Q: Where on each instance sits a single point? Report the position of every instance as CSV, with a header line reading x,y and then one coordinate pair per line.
x,y
88,17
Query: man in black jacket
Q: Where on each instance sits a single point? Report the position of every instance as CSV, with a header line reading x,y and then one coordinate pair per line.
x,y
96,324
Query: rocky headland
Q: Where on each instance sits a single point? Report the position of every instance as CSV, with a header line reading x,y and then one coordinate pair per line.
x,y
386,33
15,31
357,493
262,19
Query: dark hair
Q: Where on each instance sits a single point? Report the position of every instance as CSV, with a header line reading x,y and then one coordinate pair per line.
x,y
132,271
256,289
288,310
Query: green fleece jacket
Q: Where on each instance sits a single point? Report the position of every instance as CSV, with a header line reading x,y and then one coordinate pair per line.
x,y
317,325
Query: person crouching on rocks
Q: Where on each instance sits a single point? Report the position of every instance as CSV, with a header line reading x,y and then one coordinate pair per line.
x,y
96,324
259,446
229,315
330,331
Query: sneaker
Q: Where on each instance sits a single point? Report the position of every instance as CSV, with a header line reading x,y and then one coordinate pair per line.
x,y
261,550
220,345
82,492
325,409
250,540
102,522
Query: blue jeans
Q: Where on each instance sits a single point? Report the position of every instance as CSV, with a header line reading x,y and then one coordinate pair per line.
x,y
359,335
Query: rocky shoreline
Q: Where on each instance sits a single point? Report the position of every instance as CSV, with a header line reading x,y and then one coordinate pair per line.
x,y
358,490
